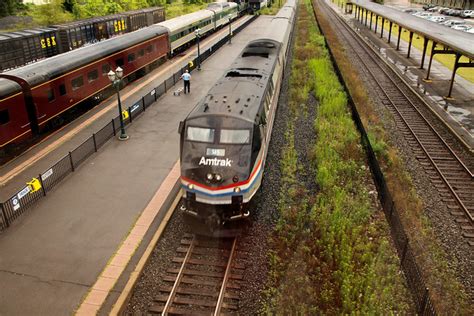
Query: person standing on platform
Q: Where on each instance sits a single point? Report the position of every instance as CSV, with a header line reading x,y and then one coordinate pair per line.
x,y
187,81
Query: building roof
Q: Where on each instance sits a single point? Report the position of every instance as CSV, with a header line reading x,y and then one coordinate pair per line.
x,y
459,41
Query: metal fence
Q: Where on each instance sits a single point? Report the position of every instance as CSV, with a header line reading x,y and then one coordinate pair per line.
x,y
25,198
411,270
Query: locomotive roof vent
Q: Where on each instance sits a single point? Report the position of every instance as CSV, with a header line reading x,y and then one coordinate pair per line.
x,y
257,54
266,44
239,73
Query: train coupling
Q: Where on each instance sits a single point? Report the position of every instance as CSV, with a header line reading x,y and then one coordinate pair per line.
x,y
243,214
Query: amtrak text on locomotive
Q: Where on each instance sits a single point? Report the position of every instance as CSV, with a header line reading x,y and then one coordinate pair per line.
x,y
215,162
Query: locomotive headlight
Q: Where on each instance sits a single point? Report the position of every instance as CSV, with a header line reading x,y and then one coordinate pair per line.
x,y
237,190
218,177
209,176
235,179
191,186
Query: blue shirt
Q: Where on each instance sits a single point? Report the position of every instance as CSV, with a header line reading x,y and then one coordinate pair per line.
x,y
186,76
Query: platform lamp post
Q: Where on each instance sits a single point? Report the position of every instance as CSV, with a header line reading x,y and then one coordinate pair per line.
x,y
198,36
116,79
230,29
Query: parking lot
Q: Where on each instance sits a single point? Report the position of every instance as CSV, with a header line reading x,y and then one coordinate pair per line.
x,y
461,20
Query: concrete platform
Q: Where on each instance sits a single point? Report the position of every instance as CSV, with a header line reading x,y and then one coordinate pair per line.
x,y
53,255
458,112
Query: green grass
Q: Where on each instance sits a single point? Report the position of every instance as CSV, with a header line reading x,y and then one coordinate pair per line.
x,y
330,250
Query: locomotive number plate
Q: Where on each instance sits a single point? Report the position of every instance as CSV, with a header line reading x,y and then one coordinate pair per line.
x,y
215,152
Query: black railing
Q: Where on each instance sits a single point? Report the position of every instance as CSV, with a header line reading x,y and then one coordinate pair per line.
x,y
412,272
25,198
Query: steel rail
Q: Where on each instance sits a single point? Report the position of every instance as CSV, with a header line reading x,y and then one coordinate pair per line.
x,y
357,37
220,299
169,302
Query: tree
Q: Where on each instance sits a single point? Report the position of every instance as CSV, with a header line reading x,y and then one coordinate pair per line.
x,y
90,8
50,13
9,7
68,5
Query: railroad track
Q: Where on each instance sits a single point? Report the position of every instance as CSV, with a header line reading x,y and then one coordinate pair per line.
x,y
448,173
205,280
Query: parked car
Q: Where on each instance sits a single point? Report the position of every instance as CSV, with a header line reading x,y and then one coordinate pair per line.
x,y
467,14
471,30
410,11
433,9
451,23
421,14
443,10
436,19
464,28
454,12
428,6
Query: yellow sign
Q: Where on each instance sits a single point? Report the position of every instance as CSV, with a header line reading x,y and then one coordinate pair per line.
x,y
191,64
48,42
34,185
125,114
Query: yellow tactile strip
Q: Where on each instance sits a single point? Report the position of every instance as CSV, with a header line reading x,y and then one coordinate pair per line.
x,y
111,273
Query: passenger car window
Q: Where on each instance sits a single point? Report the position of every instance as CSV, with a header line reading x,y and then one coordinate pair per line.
x,y
4,117
51,95
131,57
119,62
93,75
105,69
62,89
76,83
199,134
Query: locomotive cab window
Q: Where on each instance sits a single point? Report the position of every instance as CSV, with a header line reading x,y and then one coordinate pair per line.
x,y
4,117
93,75
76,83
200,134
235,136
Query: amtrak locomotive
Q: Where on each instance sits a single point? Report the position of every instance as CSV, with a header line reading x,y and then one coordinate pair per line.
x,y
225,138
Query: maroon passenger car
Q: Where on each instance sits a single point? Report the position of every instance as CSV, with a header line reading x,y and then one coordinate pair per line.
x,y
61,82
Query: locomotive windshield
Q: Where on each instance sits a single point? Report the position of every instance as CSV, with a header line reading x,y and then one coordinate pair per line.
x,y
200,134
235,136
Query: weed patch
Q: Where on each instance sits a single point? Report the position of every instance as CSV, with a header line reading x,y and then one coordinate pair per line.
x,y
447,294
330,250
